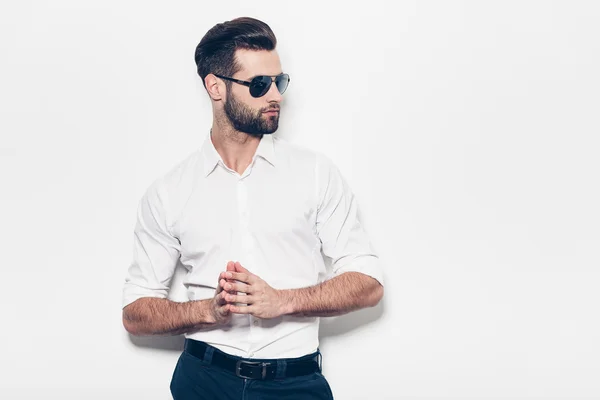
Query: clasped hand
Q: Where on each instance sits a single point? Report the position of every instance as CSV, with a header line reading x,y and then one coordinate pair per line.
x,y
242,292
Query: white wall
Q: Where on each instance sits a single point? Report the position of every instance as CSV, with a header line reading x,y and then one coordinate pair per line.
x,y
467,129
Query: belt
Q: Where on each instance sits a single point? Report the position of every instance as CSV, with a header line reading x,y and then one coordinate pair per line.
x,y
264,369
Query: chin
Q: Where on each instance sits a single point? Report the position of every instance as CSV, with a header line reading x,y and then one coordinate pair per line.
x,y
272,129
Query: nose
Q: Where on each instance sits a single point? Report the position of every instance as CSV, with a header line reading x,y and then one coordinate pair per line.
x,y
273,94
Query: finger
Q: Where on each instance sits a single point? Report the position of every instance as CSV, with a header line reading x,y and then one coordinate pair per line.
x,y
240,276
220,299
223,275
224,310
223,296
240,268
241,309
226,280
237,287
221,285
230,268
241,299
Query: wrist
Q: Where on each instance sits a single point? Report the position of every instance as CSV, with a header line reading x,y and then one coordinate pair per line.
x,y
207,312
286,305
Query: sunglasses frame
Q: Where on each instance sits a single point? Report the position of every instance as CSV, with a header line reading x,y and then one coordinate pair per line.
x,y
249,83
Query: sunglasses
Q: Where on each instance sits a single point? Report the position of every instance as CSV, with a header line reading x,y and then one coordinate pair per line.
x,y
260,85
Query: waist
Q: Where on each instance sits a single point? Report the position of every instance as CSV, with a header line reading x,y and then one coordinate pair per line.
x,y
286,337
262,369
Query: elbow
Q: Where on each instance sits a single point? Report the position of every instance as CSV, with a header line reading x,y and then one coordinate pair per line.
x,y
375,295
129,323
129,326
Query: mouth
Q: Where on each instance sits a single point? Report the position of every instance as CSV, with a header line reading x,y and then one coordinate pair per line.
x,y
271,111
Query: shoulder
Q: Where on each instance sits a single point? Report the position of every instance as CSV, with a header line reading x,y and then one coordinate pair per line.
x,y
174,186
182,173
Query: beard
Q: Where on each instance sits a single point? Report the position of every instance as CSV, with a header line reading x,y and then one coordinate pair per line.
x,y
248,120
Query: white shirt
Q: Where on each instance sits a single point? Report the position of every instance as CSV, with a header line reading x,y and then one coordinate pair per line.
x,y
276,218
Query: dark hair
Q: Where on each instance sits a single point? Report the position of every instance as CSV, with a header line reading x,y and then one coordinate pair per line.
x,y
216,51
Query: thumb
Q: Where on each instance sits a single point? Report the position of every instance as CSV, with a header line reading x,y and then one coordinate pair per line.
x,y
230,266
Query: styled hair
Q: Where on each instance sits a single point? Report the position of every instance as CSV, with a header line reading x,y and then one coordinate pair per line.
x,y
215,54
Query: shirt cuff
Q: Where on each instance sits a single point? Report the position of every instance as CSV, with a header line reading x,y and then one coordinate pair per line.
x,y
132,292
368,265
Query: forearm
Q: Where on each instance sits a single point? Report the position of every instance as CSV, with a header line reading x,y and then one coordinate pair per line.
x,y
347,292
155,316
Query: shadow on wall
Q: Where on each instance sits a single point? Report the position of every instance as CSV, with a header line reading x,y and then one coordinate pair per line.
x,y
336,326
329,327
171,343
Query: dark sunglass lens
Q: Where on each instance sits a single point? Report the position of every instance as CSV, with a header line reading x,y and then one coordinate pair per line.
x,y
282,82
259,86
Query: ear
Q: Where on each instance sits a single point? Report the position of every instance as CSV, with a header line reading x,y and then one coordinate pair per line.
x,y
215,87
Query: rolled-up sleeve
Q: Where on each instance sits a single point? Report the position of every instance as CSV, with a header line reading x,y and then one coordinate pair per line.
x,y
155,249
342,236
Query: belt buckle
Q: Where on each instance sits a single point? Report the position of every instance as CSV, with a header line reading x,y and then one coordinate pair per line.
x,y
238,368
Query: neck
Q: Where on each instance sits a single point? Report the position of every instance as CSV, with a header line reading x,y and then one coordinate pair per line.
x,y
235,148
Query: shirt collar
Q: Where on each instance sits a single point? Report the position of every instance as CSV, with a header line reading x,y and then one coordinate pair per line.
x,y
211,156
266,149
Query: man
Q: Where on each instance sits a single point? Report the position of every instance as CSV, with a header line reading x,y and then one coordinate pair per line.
x,y
250,217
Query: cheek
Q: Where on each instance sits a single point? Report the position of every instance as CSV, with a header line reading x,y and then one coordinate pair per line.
x,y
256,105
242,95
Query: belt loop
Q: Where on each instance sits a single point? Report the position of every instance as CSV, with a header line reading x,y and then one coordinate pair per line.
x,y
281,367
208,353
320,360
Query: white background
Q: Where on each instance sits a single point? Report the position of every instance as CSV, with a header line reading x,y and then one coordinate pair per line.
x,y
468,130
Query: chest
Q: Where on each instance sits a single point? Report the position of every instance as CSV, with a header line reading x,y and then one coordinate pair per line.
x,y
268,209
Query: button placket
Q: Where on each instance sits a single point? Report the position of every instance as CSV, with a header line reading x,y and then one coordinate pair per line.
x,y
246,240
243,208
246,237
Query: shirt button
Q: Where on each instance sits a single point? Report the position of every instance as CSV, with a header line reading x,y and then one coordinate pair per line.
x,y
252,354
255,322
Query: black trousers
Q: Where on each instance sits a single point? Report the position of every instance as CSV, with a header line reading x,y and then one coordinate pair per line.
x,y
195,378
